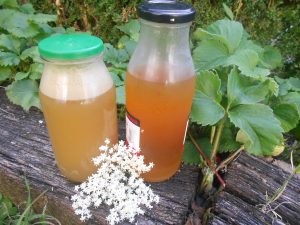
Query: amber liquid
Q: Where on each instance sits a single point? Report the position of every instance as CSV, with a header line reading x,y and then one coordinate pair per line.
x,y
77,128
163,111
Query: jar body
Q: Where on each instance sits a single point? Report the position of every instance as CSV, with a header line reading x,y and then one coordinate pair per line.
x,y
78,101
159,90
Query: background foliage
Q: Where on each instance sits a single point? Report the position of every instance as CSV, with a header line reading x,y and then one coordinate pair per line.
x,y
273,22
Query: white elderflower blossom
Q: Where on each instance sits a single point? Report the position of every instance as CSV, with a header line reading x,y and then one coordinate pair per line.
x,y
116,183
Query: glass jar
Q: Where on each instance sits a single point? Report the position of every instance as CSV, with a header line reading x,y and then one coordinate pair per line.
x,y
79,101
160,86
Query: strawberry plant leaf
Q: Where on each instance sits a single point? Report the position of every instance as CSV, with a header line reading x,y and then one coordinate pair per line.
x,y
21,75
210,54
291,98
32,53
27,8
5,73
259,124
24,93
227,32
227,141
121,95
17,23
10,43
206,108
245,90
35,71
191,155
40,18
9,3
271,58
210,84
247,61
288,115
132,29
294,84
9,59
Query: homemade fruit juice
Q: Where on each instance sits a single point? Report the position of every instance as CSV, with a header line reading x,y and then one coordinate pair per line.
x,y
80,113
162,108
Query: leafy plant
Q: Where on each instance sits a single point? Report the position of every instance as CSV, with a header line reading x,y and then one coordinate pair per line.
x,y
236,94
117,58
13,215
20,30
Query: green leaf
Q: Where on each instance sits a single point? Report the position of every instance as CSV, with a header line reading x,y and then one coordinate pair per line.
x,y
9,59
24,93
35,71
228,11
131,28
228,31
257,121
291,98
242,137
271,58
40,18
9,3
190,156
10,43
21,75
113,55
17,23
130,46
118,82
27,8
294,84
206,109
245,90
227,141
5,73
210,54
209,83
32,53
288,115
247,61
121,95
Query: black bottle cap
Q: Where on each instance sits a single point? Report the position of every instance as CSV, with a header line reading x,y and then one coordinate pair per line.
x,y
166,11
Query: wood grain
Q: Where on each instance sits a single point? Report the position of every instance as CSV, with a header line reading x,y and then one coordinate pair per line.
x,y
25,151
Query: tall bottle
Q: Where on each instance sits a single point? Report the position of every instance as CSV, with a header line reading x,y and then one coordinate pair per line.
x,y
160,86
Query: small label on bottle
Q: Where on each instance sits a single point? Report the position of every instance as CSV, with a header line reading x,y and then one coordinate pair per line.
x,y
132,130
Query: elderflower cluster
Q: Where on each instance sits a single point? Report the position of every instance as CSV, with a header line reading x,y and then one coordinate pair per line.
x,y
116,183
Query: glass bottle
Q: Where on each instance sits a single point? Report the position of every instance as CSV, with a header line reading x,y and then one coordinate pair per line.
x,y
78,99
160,86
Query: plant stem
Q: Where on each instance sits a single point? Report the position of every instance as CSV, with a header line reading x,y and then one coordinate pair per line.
x,y
217,140
230,158
208,162
212,134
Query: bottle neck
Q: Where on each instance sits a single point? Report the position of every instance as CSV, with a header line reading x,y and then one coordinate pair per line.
x,y
162,49
167,37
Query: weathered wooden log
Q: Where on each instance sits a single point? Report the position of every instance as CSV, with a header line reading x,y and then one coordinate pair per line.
x,y
25,151
249,180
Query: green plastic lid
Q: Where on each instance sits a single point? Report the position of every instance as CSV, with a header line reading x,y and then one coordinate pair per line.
x,y
70,46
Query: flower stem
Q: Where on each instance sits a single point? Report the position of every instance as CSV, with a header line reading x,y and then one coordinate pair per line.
x,y
208,162
230,158
217,140
212,134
